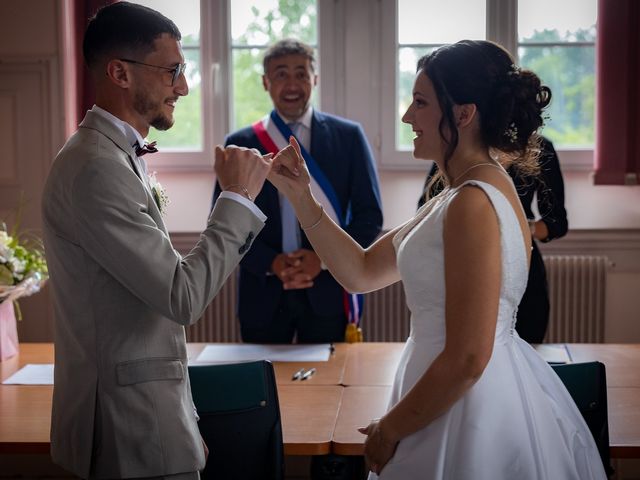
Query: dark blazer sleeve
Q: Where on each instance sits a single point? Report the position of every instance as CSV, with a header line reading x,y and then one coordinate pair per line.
x,y
551,193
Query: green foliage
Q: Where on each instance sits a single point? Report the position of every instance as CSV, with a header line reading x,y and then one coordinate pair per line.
x,y
568,70
292,18
187,131
570,73
250,101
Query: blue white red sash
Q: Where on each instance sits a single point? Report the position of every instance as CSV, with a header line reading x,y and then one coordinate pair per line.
x,y
274,135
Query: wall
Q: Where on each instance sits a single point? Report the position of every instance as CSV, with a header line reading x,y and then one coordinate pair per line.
x,y
608,216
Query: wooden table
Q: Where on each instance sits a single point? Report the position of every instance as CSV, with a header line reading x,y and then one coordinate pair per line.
x,y
622,360
624,421
359,405
308,409
372,363
309,415
322,414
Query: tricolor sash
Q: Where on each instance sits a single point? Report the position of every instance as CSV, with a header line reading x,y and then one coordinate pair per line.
x,y
274,135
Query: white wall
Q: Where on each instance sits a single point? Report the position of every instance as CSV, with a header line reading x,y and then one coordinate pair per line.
x,y
30,31
589,207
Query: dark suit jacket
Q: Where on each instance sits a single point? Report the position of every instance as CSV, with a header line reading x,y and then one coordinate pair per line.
x,y
342,152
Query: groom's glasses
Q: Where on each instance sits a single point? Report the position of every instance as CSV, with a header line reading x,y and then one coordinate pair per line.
x,y
176,71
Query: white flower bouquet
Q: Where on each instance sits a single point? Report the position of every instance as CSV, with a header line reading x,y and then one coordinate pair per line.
x,y
23,269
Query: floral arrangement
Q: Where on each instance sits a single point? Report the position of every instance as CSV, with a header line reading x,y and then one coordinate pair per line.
x,y
159,193
23,268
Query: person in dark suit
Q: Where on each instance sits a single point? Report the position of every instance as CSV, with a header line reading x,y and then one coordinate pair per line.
x,y
285,291
547,189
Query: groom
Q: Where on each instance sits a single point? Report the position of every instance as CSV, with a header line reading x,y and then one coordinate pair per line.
x,y
122,405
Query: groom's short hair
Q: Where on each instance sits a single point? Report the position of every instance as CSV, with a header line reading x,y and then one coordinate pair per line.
x,y
124,29
289,46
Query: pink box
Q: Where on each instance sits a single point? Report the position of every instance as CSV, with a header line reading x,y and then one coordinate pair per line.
x,y
8,331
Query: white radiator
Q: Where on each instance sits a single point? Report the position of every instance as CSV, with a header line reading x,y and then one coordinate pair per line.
x,y
577,289
218,322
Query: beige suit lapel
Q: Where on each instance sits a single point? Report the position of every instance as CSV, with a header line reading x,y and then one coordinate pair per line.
x,y
97,122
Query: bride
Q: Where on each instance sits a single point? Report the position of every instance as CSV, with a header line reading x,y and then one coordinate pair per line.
x,y
470,400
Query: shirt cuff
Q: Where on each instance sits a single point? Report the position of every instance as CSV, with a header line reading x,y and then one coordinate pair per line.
x,y
246,202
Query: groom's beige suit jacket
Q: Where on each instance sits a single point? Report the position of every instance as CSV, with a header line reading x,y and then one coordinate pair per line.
x,y
122,404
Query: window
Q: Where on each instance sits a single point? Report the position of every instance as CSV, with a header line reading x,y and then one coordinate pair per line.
x,y
419,35
224,70
187,132
558,47
183,146
368,52
254,26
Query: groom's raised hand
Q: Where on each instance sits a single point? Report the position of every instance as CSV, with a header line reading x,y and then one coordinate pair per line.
x,y
242,170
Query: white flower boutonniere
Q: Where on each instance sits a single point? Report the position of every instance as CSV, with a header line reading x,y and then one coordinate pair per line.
x,y
159,194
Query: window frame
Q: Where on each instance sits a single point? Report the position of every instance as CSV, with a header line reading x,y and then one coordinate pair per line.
x,y
358,64
501,27
217,83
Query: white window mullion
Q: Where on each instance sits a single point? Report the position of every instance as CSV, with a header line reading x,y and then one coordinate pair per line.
x,y
331,56
502,24
390,157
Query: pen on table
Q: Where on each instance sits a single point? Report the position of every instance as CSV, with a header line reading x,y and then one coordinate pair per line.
x,y
298,374
308,374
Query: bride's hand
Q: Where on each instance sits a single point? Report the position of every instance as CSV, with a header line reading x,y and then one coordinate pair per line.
x,y
378,450
289,172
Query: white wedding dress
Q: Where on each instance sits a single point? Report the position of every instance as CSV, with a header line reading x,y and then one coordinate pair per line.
x,y
518,421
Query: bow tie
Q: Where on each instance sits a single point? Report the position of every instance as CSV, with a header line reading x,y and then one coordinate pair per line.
x,y
146,148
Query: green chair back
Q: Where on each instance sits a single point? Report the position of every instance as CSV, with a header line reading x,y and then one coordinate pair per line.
x,y
587,385
239,420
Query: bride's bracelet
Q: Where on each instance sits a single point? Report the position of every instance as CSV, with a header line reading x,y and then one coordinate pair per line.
x,y
311,227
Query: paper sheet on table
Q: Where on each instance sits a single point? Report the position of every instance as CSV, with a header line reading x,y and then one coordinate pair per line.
x,y
275,353
553,353
32,374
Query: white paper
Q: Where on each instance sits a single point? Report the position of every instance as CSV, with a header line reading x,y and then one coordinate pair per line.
x,y
226,353
553,353
32,374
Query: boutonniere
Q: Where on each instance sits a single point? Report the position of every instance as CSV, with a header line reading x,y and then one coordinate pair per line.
x,y
159,193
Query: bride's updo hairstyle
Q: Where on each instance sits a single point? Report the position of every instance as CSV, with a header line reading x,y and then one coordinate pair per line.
x,y
509,100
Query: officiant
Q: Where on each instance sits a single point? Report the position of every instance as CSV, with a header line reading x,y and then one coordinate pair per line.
x,y
286,293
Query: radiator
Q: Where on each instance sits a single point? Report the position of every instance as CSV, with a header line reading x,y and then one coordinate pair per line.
x,y
577,289
386,317
218,322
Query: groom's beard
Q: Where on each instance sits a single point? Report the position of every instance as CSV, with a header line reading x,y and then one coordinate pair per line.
x,y
148,108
